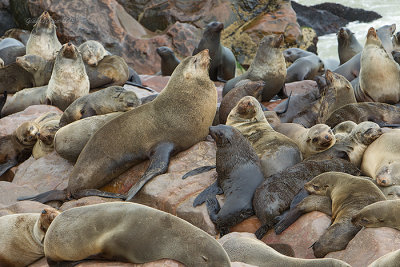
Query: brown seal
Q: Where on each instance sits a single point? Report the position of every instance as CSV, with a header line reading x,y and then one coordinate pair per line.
x,y
276,151
14,78
69,80
43,39
223,62
173,124
348,46
268,66
73,234
276,193
304,68
349,194
310,141
381,159
92,52
111,99
379,74
45,142
22,235
168,60
242,89
379,214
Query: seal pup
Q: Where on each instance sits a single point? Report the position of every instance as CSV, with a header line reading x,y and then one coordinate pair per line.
x,y
239,174
43,40
22,235
344,128
45,142
69,80
72,138
170,127
274,195
276,151
391,259
348,46
349,194
242,89
111,99
381,159
379,214
10,54
125,236
268,65
311,141
168,60
249,250
223,62
379,74
304,68
92,52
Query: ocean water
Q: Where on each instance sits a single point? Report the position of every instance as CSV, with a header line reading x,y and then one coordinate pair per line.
x,y
388,9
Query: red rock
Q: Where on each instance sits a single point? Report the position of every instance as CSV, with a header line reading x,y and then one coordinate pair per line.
x,y
300,87
368,245
249,225
154,82
9,123
22,207
47,173
301,234
272,104
10,192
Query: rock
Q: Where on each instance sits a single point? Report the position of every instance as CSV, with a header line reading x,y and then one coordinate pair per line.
x,y
168,192
368,245
4,4
22,207
6,21
85,201
249,225
134,8
300,87
9,123
10,192
47,173
301,234
155,82
348,13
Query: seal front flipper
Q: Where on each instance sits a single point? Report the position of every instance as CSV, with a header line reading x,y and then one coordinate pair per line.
x,y
140,86
96,192
8,165
212,190
260,233
159,161
47,196
198,171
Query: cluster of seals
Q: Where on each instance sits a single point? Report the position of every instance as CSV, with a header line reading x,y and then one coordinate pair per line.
x,y
43,39
349,194
173,124
304,68
69,80
379,214
381,159
81,232
111,99
223,62
22,236
92,52
276,151
268,65
275,194
168,60
311,141
348,46
239,174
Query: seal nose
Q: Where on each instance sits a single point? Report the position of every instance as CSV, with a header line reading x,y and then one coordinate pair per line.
x,y
382,181
69,43
328,138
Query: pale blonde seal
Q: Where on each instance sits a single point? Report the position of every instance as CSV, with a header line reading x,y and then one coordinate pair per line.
x,y
92,52
45,142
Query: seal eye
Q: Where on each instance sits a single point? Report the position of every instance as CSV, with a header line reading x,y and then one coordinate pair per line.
x,y
315,139
364,221
381,220
316,187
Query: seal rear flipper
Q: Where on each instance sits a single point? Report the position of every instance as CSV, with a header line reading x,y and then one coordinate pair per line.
x,y
260,233
8,165
47,196
210,191
159,161
198,171
96,192
287,105
213,208
288,220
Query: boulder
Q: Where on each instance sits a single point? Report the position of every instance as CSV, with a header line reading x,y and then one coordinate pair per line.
x,y
348,13
10,192
300,87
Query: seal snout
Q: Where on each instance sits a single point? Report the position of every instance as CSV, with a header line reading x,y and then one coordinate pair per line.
x,y
69,51
371,33
382,181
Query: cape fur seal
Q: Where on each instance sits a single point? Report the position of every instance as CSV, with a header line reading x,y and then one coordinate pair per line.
x,y
348,46
391,259
14,78
381,159
23,99
168,60
379,74
92,52
8,41
111,99
22,235
274,195
292,54
69,80
81,232
349,194
223,62
379,214
304,68
43,39
385,34
170,127
239,174
45,143
39,67
276,151
268,66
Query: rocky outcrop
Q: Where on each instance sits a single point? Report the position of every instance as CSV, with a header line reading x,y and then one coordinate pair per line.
x,y
348,13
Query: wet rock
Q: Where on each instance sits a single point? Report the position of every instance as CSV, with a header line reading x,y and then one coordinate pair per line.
x,y
9,123
348,13
368,245
301,234
47,173
22,207
10,192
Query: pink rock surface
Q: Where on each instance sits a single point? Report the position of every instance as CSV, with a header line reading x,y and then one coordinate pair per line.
x,y
10,192
300,87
